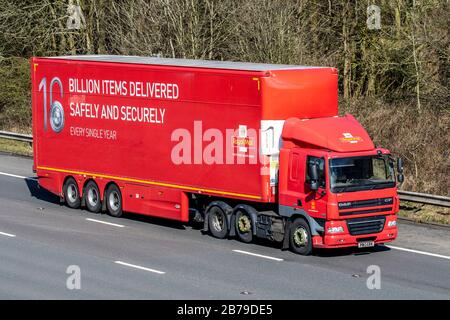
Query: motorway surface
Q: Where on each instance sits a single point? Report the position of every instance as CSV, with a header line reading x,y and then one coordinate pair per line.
x,y
137,257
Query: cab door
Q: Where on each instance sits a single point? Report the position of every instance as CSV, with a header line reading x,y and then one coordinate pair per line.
x,y
315,200
294,185
291,178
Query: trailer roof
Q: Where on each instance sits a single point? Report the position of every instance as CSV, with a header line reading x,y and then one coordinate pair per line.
x,y
244,66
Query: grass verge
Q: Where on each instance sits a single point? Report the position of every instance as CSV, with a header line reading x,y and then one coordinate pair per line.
x,y
16,147
424,213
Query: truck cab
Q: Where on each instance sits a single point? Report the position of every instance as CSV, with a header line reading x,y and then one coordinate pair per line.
x,y
333,177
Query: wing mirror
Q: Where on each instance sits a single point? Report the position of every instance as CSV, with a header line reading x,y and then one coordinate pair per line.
x,y
400,176
314,176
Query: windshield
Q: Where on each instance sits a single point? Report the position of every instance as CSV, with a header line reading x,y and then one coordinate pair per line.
x,y
361,173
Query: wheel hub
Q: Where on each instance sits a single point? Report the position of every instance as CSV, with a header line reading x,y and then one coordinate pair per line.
x,y
92,197
300,237
72,193
114,201
244,224
218,222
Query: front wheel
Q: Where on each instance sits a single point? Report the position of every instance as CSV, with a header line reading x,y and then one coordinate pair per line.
x,y
300,237
244,230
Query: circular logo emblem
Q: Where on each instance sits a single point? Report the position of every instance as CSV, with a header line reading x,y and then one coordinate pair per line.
x,y
57,117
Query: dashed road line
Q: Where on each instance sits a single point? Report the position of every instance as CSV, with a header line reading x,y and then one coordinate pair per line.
x,y
7,234
138,267
258,255
16,176
419,252
107,223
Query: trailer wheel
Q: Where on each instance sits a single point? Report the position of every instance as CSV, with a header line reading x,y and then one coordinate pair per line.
x,y
71,193
92,197
218,222
244,228
113,198
300,237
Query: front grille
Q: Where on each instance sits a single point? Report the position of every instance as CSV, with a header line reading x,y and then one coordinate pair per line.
x,y
365,204
366,225
350,213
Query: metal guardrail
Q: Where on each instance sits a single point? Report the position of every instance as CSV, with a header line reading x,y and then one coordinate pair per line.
x,y
16,136
424,198
404,195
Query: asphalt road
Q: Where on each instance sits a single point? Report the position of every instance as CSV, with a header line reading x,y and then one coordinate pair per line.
x,y
137,257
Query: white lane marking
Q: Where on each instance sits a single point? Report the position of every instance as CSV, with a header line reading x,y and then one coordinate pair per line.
x,y
7,234
16,176
258,255
138,267
104,222
419,252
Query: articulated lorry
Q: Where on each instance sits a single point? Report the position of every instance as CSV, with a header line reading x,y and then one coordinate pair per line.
x,y
249,150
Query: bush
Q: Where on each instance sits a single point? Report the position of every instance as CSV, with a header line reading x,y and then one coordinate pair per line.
x,y
15,94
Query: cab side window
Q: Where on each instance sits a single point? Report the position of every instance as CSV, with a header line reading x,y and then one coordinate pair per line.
x,y
321,164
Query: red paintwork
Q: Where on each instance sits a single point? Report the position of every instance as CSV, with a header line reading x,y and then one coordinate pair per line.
x,y
328,133
309,93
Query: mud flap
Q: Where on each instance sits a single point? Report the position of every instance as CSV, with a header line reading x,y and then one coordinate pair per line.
x,y
287,234
232,221
205,223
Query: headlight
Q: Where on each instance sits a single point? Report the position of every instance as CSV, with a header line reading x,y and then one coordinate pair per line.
x,y
392,223
335,230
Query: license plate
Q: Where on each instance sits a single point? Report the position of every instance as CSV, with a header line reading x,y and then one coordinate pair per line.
x,y
366,244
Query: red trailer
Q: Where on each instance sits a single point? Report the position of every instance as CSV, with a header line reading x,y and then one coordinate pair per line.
x,y
251,150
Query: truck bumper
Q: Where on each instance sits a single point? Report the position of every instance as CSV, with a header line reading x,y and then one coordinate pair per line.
x,y
347,240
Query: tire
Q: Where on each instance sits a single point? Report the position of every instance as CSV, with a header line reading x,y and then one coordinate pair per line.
x,y
113,198
92,197
300,238
218,222
72,194
244,226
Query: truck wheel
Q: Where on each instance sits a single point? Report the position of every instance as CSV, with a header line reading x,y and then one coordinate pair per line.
x,y
218,222
244,226
113,198
300,237
71,193
92,197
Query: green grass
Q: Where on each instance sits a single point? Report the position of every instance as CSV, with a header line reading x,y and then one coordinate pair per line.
x,y
16,147
425,213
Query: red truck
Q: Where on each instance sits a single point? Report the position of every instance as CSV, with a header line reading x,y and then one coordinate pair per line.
x,y
250,150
